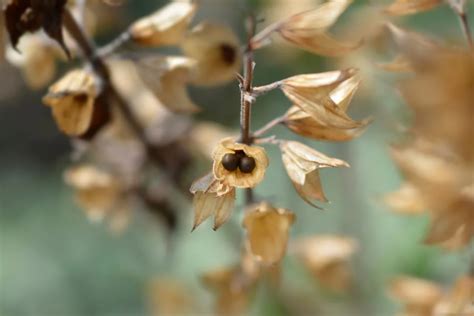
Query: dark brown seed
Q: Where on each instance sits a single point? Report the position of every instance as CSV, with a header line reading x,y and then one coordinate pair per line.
x,y
230,162
228,53
247,164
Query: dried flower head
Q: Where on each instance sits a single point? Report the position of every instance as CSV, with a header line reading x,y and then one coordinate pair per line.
x,y
22,16
167,77
418,296
97,191
327,258
267,231
216,49
166,26
212,197
302,164
308,30
239,165
37,60
72,101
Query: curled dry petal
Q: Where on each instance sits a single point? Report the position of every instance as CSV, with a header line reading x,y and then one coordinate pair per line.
x,y
327,258
166,26
97,192
216,49
304,124
72,101
458,301
212,197
406,200
324,96
307,30
167,77
237,178
403,7
416,294
267,231
302,164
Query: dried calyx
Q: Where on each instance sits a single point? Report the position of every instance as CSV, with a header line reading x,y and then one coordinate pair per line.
x,y
232,161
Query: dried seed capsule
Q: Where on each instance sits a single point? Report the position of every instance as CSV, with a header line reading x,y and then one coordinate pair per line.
x,y
247,164
230,161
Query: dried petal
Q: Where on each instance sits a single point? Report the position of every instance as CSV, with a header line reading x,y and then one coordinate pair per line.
x,y
403,7
72,100
170,297
238,178
167,77
302,163
97,192
327,258
166,26
318,94
212,197
216,49
307,29
417,294
267,231
407,200
22,16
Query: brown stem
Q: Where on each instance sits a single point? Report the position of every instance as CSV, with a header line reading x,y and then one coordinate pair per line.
x,y
466,29
261,131
101,69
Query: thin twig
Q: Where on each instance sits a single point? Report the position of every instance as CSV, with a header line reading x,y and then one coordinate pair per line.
x,y
264,129
258,91
466,29
101,69
114,45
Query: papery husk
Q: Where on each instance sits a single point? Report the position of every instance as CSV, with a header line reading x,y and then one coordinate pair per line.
x,y
37,60
72,101
212,197
327,258
166,26
418,296
237,178
404,7
319,94
302,164
97,192
307,30
267,231
216,50
167,77
170,297
231,288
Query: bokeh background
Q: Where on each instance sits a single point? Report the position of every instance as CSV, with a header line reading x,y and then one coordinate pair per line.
x,y
54,262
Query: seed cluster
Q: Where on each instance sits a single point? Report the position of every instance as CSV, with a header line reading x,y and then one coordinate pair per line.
x,y
239,160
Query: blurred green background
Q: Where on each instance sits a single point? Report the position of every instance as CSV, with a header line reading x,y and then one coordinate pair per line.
x,y
54,262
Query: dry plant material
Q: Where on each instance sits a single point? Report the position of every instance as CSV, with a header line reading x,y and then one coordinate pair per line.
x,y
425,298
170,297
212,197
403,7
239,165
216,50
308,30
324,96
166,26
441,139
267,231
327,257
72,101
302,164
418,296
22,16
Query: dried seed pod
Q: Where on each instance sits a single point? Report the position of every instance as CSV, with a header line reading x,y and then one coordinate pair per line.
x,y
72,100
166,26
267,231
215,47
237,178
